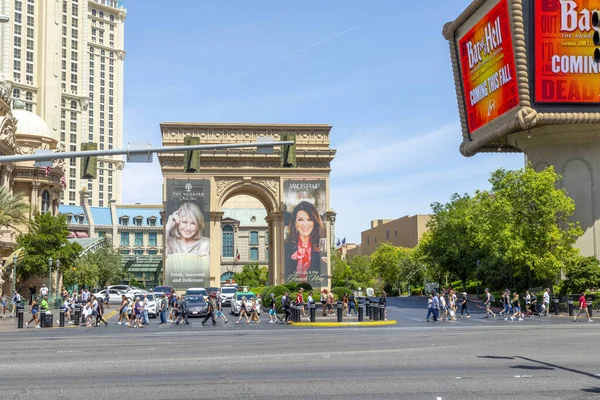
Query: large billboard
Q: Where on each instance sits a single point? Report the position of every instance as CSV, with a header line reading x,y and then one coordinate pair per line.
x,y
565,71
187,243
305,235
488,68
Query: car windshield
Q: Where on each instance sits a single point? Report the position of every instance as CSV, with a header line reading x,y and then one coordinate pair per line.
x,y
150,297
248,297
228,290
194,299
164,289
202,292
213,289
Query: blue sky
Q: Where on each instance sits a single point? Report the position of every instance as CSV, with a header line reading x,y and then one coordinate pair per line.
x,y
378,71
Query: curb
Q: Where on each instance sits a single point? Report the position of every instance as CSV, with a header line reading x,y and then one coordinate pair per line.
x,y
330,324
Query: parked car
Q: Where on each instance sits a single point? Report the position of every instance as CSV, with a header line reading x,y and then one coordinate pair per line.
x,y
196,306
114,295
168,290
123,288
197,292
227,293
152,303
214,290
236,302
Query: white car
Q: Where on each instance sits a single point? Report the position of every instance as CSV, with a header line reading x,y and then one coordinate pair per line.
x,y
227,293
114,295
197,292
152,303
236,303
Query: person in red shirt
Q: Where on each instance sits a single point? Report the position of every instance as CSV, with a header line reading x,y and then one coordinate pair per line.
x,y
583,307
300,302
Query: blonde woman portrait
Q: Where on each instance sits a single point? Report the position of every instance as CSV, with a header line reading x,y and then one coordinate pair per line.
x,y
184,229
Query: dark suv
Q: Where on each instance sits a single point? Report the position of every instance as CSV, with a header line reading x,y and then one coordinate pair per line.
x,y
168,290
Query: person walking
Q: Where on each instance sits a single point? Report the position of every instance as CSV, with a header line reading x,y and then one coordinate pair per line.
x,y
443,307
583,308
35,309
273,310
324,301
287,307
100,312
429,307
300,302
243,311
182,311
164,305
16,300
546,303
516,307
123,311
533,304
44,291
351,304
464,305
383,302
435,306
3,304
210,311
145,306
488,304
220,310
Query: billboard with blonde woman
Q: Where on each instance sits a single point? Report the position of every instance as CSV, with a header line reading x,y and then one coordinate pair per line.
x,y
305,235
187,241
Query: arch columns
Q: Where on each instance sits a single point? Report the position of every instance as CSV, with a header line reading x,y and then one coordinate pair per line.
x,y
573,150
276,256
215,247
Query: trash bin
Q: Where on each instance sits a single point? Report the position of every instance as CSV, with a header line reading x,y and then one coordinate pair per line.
x,y
47,320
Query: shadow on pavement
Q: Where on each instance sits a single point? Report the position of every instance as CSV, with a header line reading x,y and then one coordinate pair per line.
x,y
532,367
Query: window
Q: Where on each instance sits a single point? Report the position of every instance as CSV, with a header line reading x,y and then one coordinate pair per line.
x,y
227,276
227,241
151,221
124,221
139,238
45,202
124,238
138,251
138,221
152,239
93,12
253,237
124,252
153,252
102,234
253,254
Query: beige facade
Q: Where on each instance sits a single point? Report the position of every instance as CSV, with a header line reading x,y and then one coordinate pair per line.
x,y
64,60
406,232
234,172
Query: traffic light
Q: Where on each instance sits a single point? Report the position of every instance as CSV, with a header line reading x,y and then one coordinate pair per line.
x,y
191,158
288,154
89,165
596,36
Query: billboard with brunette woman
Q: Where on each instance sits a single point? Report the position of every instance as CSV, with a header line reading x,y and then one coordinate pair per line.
x,y
305,235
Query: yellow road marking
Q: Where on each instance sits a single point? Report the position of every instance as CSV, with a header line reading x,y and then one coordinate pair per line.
x,y
365,323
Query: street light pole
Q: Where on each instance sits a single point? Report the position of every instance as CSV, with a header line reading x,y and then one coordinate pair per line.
x,y
14,281
56,286
50,276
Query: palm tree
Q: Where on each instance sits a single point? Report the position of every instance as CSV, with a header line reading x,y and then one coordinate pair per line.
x,y
13,210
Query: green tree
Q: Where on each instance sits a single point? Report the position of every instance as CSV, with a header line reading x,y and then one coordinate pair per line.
x,y
84,274
108,265
384,262
581,274
46,239
361,273
524,219
340,270
252,275
13,210
452,240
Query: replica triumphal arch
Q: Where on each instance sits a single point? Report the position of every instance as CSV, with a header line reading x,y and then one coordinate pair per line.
x,y
226,173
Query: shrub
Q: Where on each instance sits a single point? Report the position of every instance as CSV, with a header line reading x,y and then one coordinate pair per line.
x,y
416,292
339,292
292,286
278,291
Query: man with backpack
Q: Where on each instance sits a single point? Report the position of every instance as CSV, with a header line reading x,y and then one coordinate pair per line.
x,y
489,299
287,305
210,311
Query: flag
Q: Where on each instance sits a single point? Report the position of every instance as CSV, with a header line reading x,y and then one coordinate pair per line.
x,y
48,171
237,255
337,244
343,241
63,182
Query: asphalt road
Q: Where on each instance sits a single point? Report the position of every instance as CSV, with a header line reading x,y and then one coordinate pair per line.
x,y
485,359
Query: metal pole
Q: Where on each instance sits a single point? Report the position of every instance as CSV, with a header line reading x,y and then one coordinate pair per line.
x,y
149,150
50,277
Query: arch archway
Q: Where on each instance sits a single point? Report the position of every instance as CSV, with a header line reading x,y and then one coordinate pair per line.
x,y
234,172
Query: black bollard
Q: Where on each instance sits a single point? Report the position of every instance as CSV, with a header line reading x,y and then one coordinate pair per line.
x,y
589,304
42,317
571,308
295,313
77,314
556,301
339,311
20,316
61,318
361,306
375,312
313,312
367,305
382,312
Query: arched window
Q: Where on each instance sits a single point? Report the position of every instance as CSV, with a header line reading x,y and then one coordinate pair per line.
x,y
63,102
112,54
102,52
73,105
91,49
101,14
45,202
227,241
112,18
227,276
93,12
16,94
29,96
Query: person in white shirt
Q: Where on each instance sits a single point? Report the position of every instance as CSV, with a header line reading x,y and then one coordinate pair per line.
x,y
43,291
145,308
546,304
85,295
